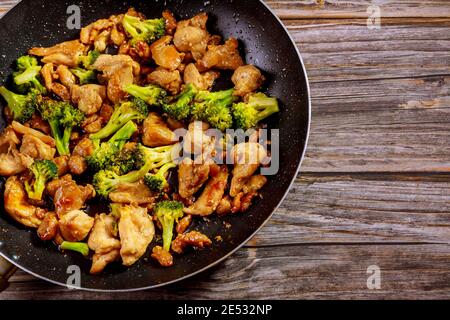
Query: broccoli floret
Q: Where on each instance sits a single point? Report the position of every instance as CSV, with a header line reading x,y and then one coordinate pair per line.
x,y
62,118
180,109
136,110
151,94
157,182
85,76
259,106
27,75
167,213
105,153
87,61
80,247
106,181
128,159
143,30
43,171
214,108
22,107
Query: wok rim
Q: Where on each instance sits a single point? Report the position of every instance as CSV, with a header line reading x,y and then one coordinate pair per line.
x,y
243,243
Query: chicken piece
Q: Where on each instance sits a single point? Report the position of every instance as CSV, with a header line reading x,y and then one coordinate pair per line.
x,y
117,37
92,124
55,184
89,33
156,133
106,112
8,139
210,198
77,165
169,80
136,231
103,241
165,54
195,141
89,97
171,22
254,184
247,159
193,238
62,162
225,206
47,74
133,193
65,76
61,91
191,177
163,257
201,81
247,79
191,35
16,205
36,149
21,129
36,122
75,225
84,148
225,57
48,229
183,224
120,71
69,196
13,162
66,53
102,40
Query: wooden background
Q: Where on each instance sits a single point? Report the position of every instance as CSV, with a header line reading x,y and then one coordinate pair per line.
x,y
375,185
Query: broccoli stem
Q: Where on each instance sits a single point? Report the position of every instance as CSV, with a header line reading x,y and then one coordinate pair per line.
x,y
28,75
59,141
167,224
123,134
80,247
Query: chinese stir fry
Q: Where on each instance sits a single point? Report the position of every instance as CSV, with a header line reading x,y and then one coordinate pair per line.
x,y
126,116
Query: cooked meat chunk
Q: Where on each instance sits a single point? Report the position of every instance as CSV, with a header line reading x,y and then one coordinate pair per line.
x,y
169,80
77,165
210,198
120,71
196,141
36,122
89,97
133,193
65,76
69,196
89,34
103,241
84,148
225,206
164,257
183,224
92,124
47,74
191,177
75,225
136,230
201,81
247,79
156,133
36,149
66,53
13,162
62,162
242,202
165,54
171,22
255,183
8,139
224,57
191,36
247,158
194,239
21,129
48,229
17,206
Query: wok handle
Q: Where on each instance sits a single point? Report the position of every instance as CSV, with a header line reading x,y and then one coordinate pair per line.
x,y
7,269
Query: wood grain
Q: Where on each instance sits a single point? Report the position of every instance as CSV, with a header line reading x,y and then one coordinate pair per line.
x,y
338,9
291,272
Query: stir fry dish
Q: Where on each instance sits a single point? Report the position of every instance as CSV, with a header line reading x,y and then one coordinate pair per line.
x,y
123,119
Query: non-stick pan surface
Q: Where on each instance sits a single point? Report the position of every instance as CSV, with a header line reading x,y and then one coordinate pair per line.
x,y
265,43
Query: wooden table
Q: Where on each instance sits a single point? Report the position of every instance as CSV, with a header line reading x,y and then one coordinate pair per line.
x,y
375,185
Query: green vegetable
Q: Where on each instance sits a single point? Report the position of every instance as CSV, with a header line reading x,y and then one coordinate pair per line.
x,y
22,107
158,182
167,213
43,171
80,247
259,106
151,94
180,108
143,30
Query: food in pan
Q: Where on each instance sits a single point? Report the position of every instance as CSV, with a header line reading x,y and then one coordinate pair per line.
x,y
126,116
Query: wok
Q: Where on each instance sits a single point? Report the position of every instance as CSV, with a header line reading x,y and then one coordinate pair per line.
x,y
265,43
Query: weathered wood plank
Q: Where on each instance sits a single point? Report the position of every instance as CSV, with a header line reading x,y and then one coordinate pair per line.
x,y
380,125
348,50
338,9
362,208
292,272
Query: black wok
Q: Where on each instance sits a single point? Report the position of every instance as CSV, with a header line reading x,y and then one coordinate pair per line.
x,y
265,43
